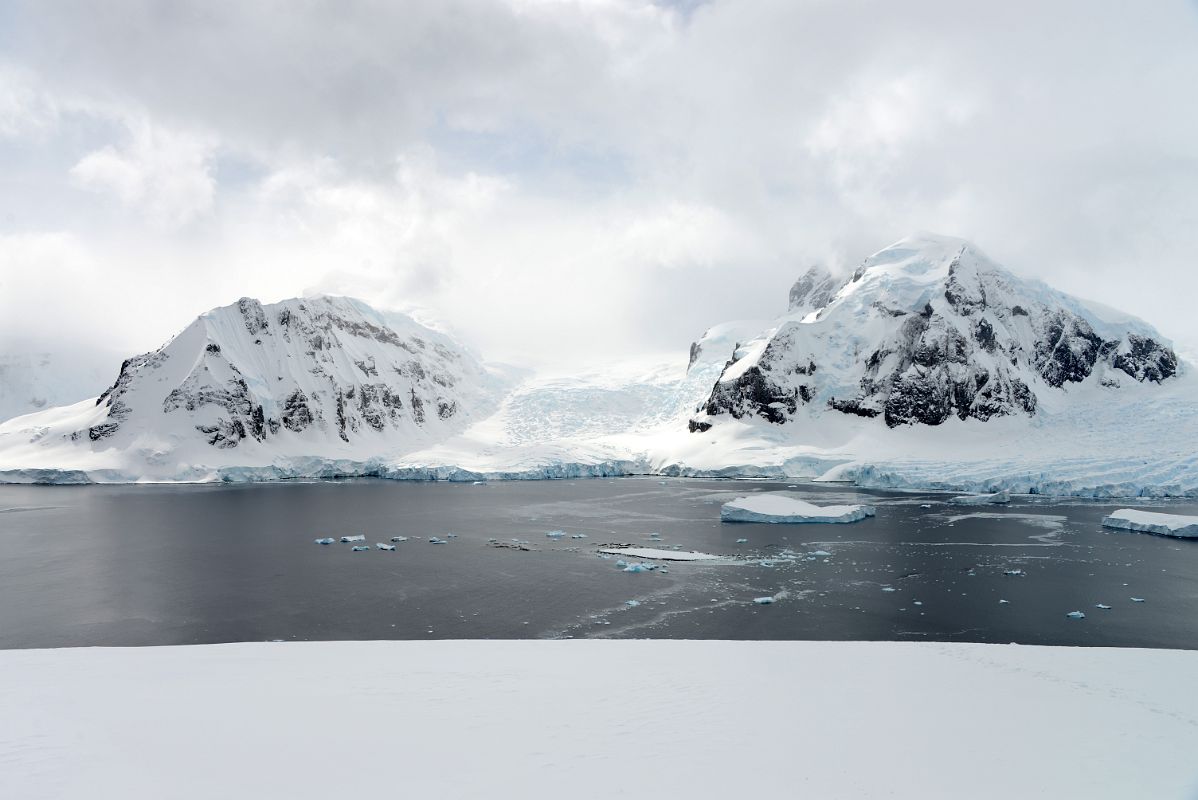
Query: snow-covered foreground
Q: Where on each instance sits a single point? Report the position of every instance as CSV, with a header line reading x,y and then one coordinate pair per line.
x,y
597,719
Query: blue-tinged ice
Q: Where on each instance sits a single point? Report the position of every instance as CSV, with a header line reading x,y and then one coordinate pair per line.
x,y
326,540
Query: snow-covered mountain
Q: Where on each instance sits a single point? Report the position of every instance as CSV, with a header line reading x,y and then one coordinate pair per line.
x,y
251,384
929,367
926,330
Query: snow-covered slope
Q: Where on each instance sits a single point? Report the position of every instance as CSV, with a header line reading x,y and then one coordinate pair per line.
x,y
925,330
249,385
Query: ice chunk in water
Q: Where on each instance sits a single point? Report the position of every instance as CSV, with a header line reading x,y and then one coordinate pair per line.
x,y
640,567
632,603
1103,606
436,540
326,540
1004,602
382,546
1137,599
1015,573
399,538
823,553
763,601
361,537
359,548
555,534
888,589
742,541
1076,615
578,536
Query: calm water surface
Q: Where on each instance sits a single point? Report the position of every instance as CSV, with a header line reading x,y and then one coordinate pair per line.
x,y
125,565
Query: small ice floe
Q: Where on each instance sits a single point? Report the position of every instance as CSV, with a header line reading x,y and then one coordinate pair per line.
x,y
654,553
763,601
578,536
361,537
437,540
819,553
1137,599
780,508
996,499
1003,602
917,603
399,538
1129,519
451,536
358,548
1076,615
382,546
925,505
478,483
555,534
1014,573
326,540
640,567
632,603
889,589
1103,606
655,535
742,541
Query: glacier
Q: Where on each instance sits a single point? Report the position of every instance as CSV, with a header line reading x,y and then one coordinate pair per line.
x,y
327,387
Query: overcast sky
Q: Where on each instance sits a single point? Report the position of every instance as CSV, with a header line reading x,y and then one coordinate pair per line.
x,y
569,180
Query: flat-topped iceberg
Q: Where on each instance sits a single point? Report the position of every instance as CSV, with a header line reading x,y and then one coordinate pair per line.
x,y
777,507
1130,519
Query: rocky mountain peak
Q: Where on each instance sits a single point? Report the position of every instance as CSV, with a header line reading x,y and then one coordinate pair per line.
x,y
928,329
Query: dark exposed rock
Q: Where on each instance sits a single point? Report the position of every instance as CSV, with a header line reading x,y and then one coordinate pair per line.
x,y
254,316
1146,359
1067,349
297,415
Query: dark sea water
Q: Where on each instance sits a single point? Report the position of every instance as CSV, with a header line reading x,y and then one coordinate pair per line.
x,y
151,565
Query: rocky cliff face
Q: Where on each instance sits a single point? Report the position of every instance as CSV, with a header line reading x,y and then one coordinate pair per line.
x,y
310,369
927,330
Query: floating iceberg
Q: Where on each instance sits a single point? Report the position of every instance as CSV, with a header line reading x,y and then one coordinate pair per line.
x,y
382,546
361,537
763,601
326,540
1137,599
996,499
399,538
358,548
776,507
639,567
437,540
1129,519
555,534
740,541
1076,615
1103,606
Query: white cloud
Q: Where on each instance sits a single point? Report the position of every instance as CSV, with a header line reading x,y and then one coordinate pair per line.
x,y
165,175
570,177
